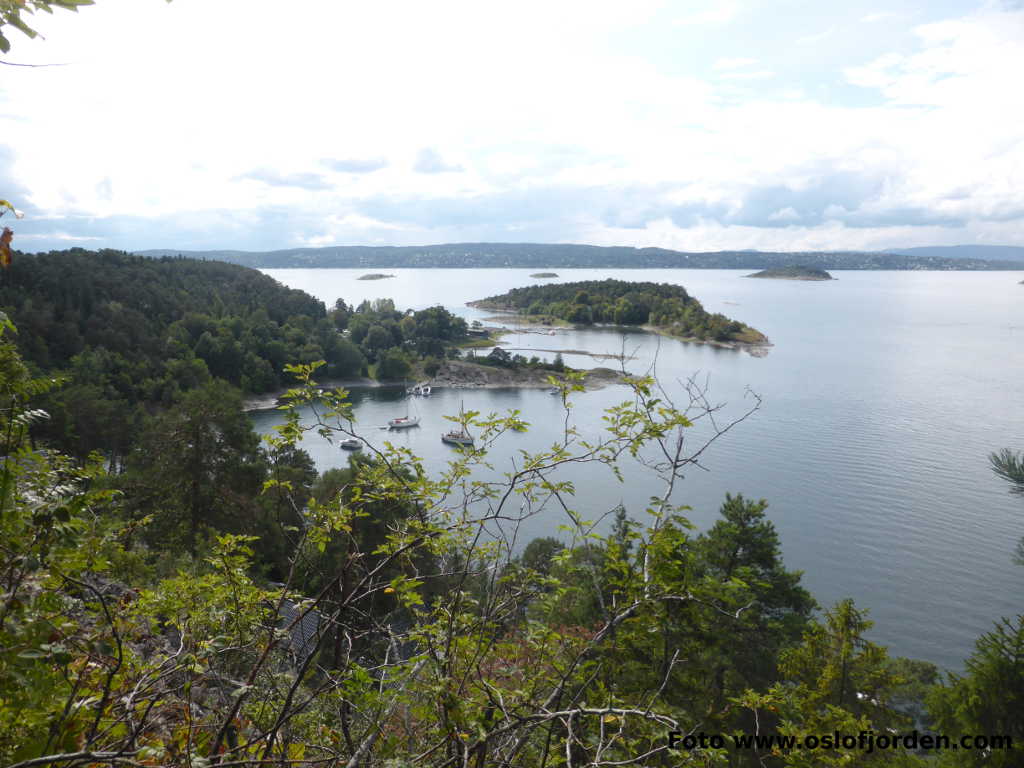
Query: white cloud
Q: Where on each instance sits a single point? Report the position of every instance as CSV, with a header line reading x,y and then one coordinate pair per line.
x,y
761,74
184,116
736,63
817,37
871,18
713,14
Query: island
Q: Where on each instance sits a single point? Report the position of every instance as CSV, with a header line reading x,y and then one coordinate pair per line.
x,y
544,274
375,276
658,307
793,272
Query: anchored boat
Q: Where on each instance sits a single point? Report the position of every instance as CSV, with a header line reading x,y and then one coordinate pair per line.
x,y
404,422
460,436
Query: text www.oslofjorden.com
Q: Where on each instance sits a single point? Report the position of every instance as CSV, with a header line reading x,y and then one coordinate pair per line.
x,y
865,741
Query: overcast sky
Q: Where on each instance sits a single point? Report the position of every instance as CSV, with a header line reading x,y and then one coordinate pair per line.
x,y
781,124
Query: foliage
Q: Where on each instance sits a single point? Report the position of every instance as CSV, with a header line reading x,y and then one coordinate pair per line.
x,y
11,14
988,698
1009,466
135,333
400,627
623,303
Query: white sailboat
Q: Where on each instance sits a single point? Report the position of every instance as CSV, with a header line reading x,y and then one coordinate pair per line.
x,y
404,422
458,436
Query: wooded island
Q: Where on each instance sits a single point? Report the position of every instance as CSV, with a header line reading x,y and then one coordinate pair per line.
x,y
659,306
793,273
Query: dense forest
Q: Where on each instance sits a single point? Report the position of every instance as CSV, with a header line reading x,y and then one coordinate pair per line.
x,y
570,255
622,302
132,335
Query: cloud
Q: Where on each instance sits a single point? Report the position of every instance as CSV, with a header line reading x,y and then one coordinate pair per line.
x,y
714,14
430,161
896,132
356,165
871,18
761,74
105,189
273,178
735,63
817,37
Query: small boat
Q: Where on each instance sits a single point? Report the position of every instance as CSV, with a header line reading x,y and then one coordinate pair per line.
x,y
458,436
555,391
425,390
352,444
404,422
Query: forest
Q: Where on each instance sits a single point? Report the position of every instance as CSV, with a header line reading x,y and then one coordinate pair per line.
x,y
573,255
130,336
622,302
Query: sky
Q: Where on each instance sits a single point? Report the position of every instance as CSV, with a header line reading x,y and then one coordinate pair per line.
x,y
729,124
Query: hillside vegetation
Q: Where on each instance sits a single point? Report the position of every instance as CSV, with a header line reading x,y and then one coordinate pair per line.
x,y
661,305
132,335
568,255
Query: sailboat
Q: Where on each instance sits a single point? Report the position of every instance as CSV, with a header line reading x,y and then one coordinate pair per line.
x,y
404,422
458,436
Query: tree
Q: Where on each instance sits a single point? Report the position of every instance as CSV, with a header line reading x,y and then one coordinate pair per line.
x,y
744,546
11,14
198,467
988,699
500,356
1009,466
393,365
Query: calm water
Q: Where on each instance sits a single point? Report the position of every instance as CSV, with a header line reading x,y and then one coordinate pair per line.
x,y
883,396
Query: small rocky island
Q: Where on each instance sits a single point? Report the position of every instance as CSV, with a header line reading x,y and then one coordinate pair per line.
x,y
540,275
375,276
793,273
659,307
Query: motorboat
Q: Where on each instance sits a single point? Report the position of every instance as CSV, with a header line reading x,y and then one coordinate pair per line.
x,y
352,444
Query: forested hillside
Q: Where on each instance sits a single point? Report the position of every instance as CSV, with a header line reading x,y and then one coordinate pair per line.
x,y
570,255
132,334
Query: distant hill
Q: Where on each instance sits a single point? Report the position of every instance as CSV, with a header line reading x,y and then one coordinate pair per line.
x,y
996,252
532,255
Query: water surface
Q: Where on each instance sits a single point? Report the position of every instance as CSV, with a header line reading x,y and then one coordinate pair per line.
x,y
882,398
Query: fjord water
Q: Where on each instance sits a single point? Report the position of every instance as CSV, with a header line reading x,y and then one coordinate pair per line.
x,y
882,398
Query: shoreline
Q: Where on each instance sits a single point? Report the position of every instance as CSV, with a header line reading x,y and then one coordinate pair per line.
x,y
461,374
457,374
752,348
269,400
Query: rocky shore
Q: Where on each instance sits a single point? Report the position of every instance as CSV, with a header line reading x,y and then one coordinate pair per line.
x,y
461,374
